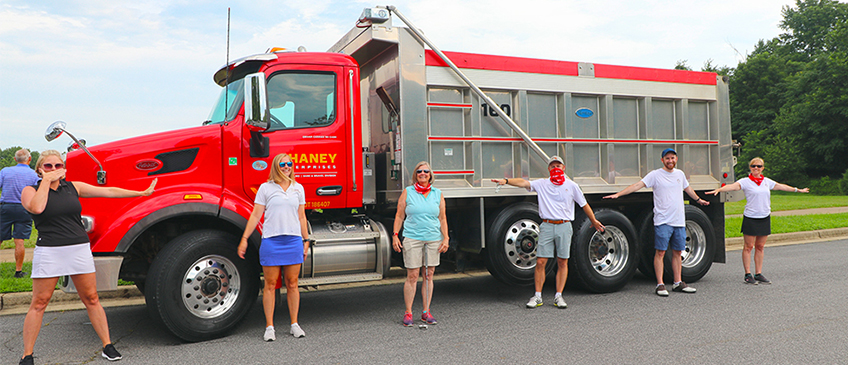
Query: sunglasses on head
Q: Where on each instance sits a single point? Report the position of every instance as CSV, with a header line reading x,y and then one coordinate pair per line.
x,y
757,166
422,171
50,166
284,164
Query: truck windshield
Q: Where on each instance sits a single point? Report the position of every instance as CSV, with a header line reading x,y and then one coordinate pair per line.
x,y
229,102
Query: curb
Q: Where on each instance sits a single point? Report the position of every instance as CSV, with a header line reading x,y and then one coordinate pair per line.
x,y
18,303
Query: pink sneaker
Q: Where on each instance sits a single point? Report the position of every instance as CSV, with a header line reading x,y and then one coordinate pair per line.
x,y
407,320
426,317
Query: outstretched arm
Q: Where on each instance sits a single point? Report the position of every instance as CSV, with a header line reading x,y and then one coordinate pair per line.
x,y
636,186
91,191
516,181
784,187
731,187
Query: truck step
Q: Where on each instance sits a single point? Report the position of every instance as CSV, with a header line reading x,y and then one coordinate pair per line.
x,y
334,279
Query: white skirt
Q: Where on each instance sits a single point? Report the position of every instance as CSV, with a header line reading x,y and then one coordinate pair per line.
x,y
52,262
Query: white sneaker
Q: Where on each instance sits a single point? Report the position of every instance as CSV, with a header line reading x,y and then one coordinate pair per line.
x,y
269,334
560,302
296,331
534,302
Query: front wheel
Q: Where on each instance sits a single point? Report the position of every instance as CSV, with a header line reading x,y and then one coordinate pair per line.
x,y
603,262
511,241
198,287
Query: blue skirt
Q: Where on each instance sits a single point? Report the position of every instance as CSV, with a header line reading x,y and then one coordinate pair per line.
x,y
281,250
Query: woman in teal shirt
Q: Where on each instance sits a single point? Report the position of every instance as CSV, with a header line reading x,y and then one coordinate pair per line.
x,y
425,237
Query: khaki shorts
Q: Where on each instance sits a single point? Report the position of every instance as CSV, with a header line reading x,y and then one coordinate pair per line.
x,y
414,253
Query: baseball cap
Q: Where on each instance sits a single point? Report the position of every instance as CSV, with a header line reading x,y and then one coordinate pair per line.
x,y
555,159
667,150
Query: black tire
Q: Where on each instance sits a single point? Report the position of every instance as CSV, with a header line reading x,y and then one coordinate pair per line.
x,y
199,288
700,245
697,256
603,262
646,244
511,240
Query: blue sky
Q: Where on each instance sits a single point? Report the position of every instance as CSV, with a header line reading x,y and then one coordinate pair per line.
x,y
115,69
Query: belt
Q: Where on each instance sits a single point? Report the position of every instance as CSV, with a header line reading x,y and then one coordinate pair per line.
x,y
4,203
557,221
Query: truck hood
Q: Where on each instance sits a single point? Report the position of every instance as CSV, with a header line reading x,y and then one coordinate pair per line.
x,y
154,155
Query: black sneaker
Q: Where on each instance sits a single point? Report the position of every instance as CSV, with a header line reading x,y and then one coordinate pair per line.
x,y
762,279
110,353
20,274
27,360
750,279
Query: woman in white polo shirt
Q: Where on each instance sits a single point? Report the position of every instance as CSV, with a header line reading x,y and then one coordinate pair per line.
x,y
756,219
285,239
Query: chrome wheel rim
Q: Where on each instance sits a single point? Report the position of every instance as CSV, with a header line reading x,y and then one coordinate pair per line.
x,y
609,251
696,245
210,286
520,243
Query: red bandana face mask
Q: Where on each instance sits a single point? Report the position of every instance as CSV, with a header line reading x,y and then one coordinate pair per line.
x,y
557,176
422,189
757,180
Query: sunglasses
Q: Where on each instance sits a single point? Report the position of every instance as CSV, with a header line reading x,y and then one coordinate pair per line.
x,y
422,171
50,166
757,166
284,164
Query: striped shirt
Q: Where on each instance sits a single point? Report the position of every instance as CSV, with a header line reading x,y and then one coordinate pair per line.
x,y
13,180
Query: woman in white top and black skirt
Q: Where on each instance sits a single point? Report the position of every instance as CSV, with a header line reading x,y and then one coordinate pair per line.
x,y
756,219
63,247
285,239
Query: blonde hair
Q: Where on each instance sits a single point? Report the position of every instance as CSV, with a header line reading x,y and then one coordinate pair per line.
x,y
415,174
276,174
755,159
44,155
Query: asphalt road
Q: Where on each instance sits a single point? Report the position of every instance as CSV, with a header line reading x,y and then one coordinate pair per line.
x,y
801,318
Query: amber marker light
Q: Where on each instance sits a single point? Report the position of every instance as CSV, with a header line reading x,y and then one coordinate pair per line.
x,y
192,197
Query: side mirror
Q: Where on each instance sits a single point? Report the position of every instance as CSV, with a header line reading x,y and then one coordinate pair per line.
x,y
255,103
55,130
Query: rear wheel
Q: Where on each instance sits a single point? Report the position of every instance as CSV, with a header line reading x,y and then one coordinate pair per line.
x,y
604,262
697,256
198,287
511,242
700,245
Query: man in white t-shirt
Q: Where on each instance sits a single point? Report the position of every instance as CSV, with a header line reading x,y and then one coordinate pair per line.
x,y
557,196
669,184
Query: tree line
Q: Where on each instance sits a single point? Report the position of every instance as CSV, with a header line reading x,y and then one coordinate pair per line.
x,y
789,98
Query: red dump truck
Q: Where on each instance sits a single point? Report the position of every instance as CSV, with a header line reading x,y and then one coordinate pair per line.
x,y
355,120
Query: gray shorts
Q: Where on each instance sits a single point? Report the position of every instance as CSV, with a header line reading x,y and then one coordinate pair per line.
x,y
554,235
415,252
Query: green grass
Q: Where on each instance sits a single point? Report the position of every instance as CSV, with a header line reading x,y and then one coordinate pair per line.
x,y
791,201
10,284
30,242
794,223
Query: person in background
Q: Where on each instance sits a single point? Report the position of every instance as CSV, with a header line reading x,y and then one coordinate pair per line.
x,y
669,184
756,219
63,247
13,179
421,213
285,239
557,196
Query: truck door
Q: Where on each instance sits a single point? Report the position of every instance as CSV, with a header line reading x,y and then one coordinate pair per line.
x,y
305,103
